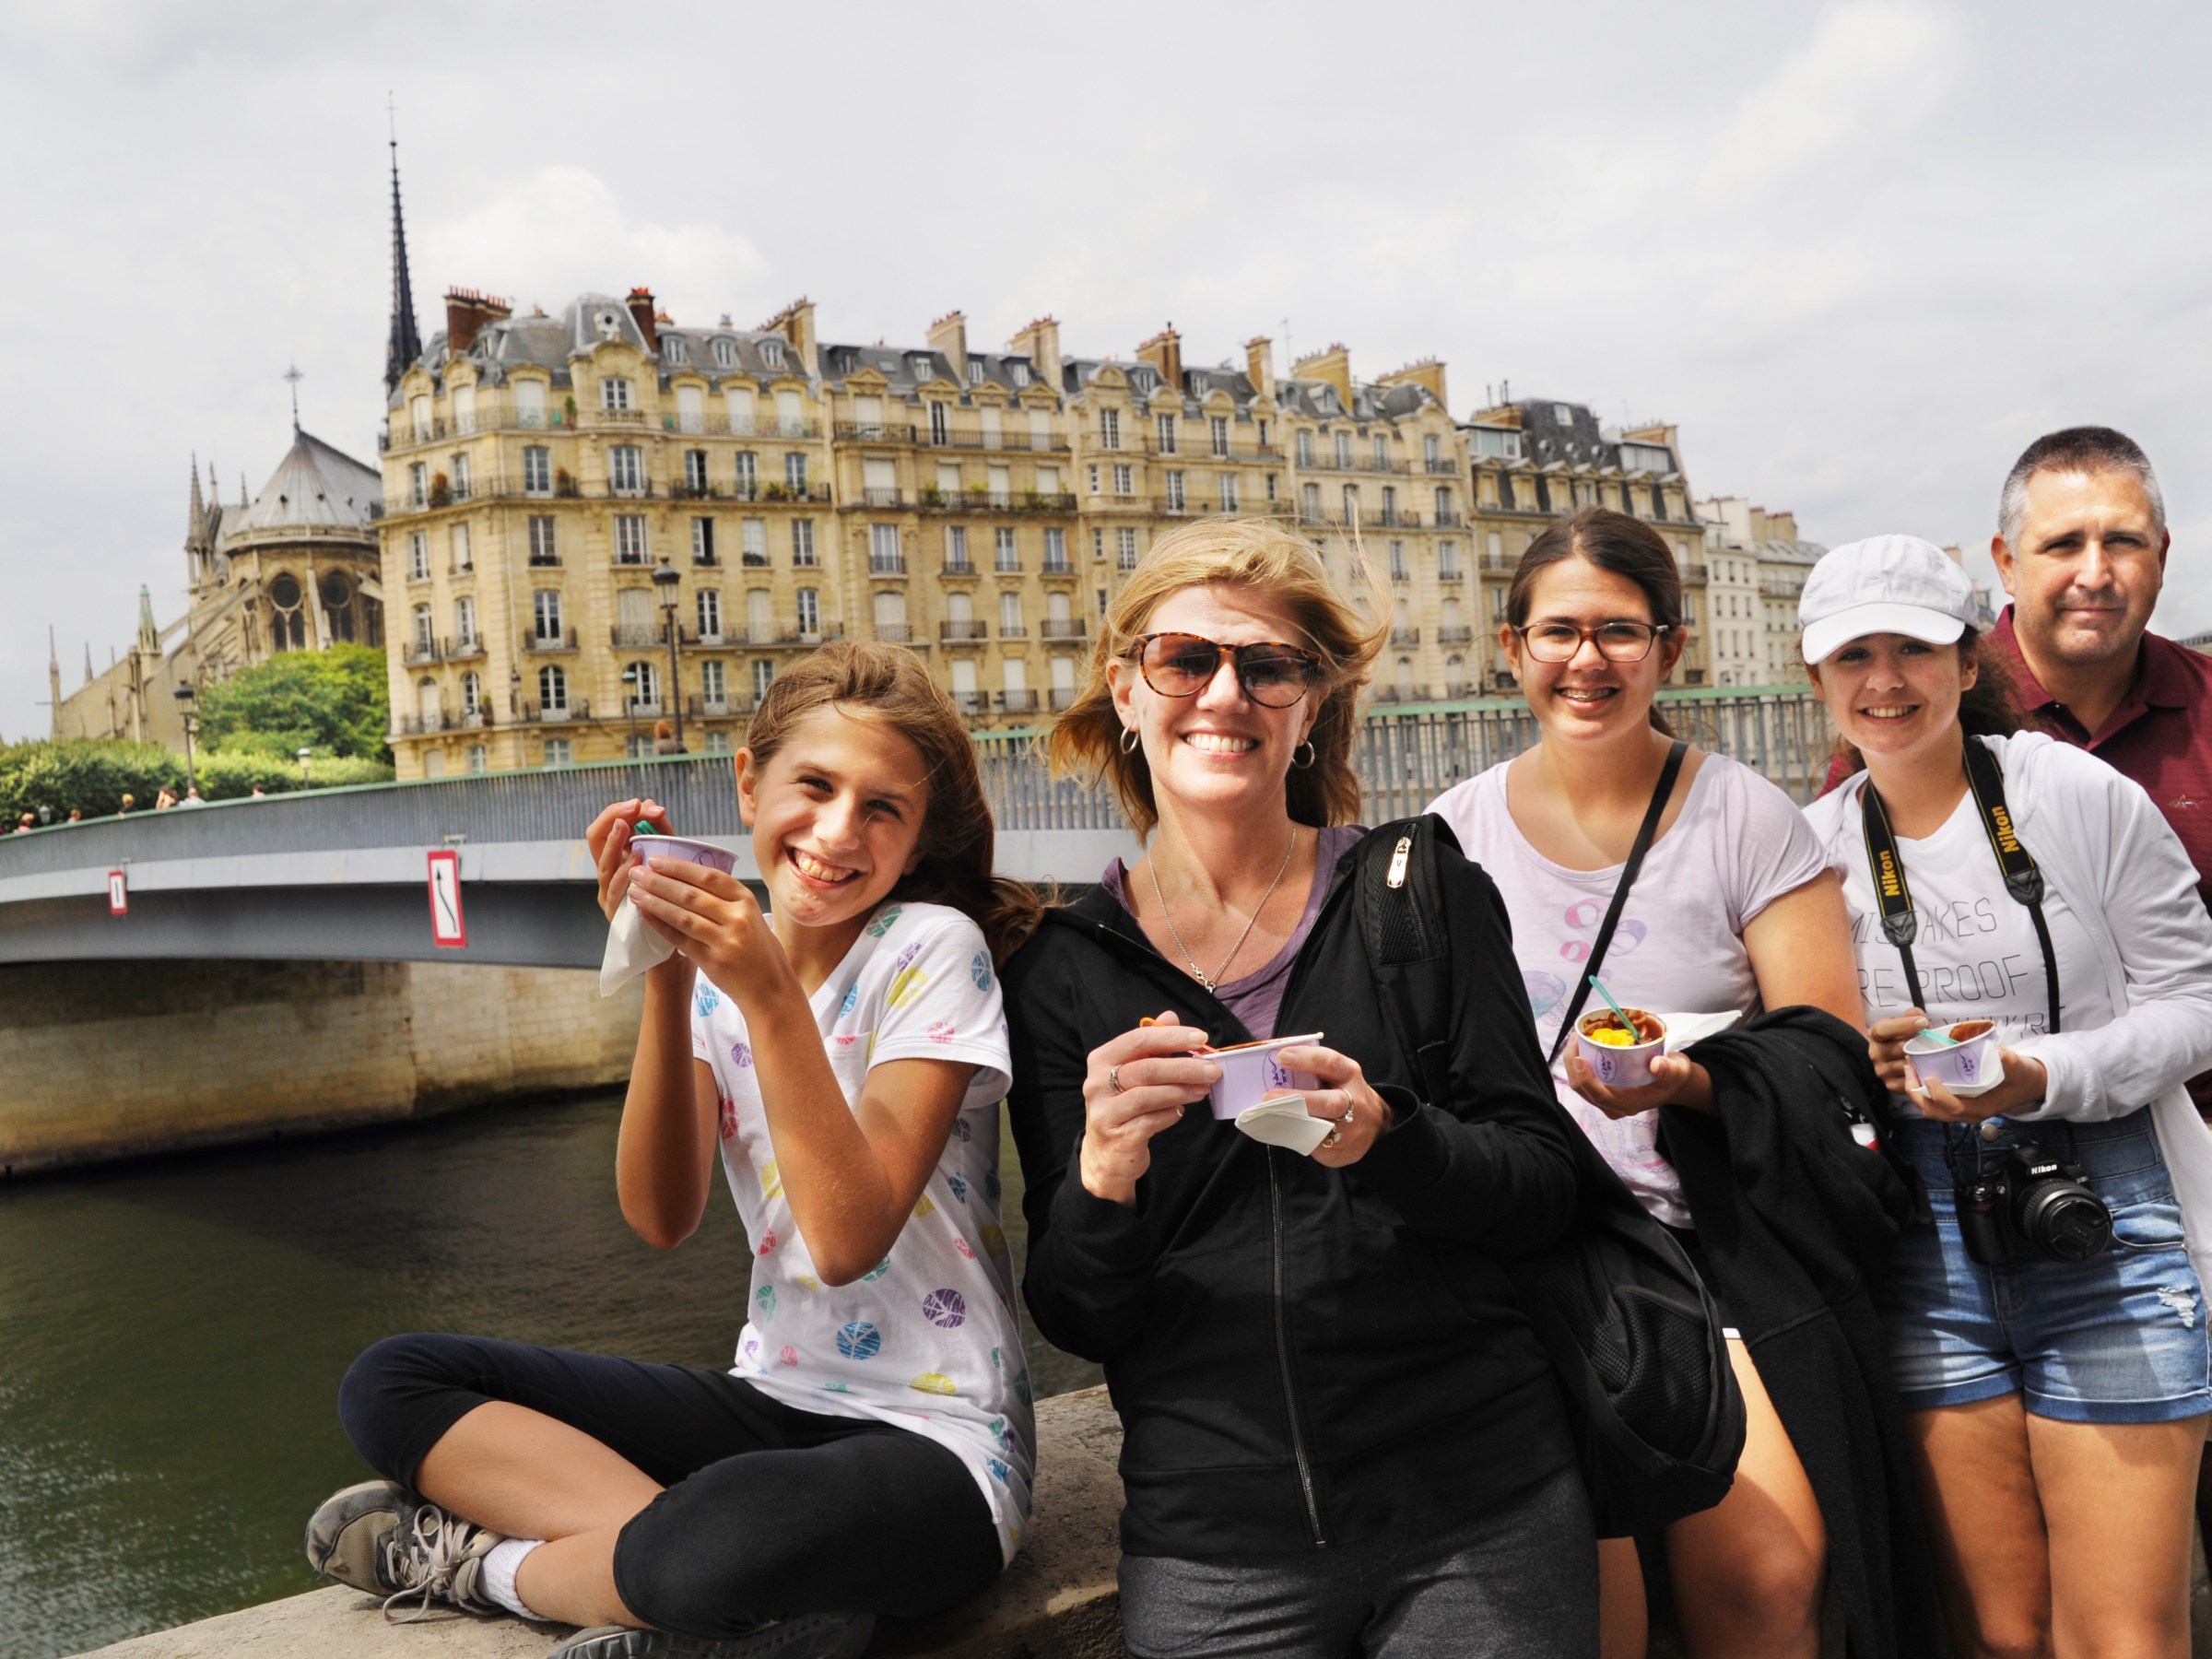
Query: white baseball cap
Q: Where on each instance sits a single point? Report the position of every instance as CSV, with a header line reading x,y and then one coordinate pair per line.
x,y
1885,585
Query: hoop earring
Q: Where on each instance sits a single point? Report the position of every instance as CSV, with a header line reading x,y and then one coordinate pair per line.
x,y
1307,749
1129,740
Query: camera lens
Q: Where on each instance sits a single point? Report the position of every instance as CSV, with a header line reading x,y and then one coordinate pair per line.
x,y
2062,1219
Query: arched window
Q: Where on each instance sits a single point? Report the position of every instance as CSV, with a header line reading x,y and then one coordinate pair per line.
x,y
553,688
1406,679
338,606
287,621
472,695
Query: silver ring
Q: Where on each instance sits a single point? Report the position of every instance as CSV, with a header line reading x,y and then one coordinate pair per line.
x,y
1348,1110
1113,1079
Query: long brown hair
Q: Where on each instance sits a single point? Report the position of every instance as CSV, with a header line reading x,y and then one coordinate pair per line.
x,y
1261,556
1988,708
886,684
1617,544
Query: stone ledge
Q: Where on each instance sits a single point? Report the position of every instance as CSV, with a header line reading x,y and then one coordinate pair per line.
x,y
1059,1598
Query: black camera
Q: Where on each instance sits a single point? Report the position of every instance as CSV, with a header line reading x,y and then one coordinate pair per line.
x,y
2030,1204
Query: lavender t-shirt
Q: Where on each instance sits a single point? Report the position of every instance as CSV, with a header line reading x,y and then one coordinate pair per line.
x,y
1738,844
1257,998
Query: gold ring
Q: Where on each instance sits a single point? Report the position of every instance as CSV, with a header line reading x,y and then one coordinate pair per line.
x,y
1331,1138
1113,1079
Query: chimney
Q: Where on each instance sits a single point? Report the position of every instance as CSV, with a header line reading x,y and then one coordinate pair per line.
x,y
467,315
640,313
1164,352
1426,372
1259,367
1332,366
1040,342
948,335
795,324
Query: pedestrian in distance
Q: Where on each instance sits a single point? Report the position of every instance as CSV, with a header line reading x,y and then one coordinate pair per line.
x,y
841,1060
1340,1434
28,822
259,793
165,800
128,803
664,739
1722,903
2027,905
76,815
191,797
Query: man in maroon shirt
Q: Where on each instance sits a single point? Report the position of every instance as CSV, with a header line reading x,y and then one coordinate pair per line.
x,y
2081,549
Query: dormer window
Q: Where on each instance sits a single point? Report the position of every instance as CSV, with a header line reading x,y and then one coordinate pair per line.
x,y
725,354
925,370
1018,374
1561,414
975,371
672,348
771,353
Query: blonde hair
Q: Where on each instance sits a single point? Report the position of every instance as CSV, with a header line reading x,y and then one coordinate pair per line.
x,y
1262,556
889,684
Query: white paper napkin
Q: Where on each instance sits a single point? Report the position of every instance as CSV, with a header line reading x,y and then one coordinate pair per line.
x,y
1285,1121
1682,1029
631,948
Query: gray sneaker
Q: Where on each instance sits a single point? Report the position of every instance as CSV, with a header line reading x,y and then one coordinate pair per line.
x,y
808,1636
384,1540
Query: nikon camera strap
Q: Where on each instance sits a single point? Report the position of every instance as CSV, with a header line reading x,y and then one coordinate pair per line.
x,y
2023,880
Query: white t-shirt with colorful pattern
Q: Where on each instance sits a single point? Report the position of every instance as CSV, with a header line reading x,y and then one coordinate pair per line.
x,y
929,1339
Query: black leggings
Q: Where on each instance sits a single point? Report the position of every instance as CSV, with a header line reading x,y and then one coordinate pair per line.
x,y
768,1511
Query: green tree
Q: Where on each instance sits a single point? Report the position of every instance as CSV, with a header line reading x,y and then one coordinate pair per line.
x,y
335,703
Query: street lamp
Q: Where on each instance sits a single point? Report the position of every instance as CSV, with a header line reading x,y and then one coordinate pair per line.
x,y
629,701
187,707
305,756
667,578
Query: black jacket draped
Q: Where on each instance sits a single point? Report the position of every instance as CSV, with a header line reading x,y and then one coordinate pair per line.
x,y
1301,1356
1795,1222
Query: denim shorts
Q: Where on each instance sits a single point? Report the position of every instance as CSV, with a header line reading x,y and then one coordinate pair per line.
x,y
2120,1339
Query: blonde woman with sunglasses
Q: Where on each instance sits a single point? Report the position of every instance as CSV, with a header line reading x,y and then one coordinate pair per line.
x,y
1340,1434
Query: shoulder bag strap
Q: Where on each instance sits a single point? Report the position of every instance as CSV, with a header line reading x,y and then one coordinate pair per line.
x,y
1652,814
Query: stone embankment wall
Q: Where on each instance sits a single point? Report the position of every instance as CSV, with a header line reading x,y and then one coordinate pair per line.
x,y
104,1060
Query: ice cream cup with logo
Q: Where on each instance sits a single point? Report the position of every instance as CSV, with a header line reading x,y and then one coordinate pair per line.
x,y
1618,1057
1250,1072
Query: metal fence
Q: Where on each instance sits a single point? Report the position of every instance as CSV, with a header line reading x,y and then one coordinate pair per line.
x,y
1405,756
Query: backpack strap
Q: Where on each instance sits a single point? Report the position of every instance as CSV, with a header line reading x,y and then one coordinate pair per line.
x,y
1645,836
1401,923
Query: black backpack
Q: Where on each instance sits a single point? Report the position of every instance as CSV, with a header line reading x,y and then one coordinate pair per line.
x,y
1631,1329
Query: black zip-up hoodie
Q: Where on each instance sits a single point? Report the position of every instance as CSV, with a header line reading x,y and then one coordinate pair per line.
x,y
1301,1356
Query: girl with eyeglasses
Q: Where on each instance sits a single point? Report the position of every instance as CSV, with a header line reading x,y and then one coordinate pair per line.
x,y
1732,911
1340,1434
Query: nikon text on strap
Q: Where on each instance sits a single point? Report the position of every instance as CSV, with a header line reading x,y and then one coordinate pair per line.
x,y
2023,880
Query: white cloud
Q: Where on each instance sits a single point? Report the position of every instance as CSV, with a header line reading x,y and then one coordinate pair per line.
x,y
564,231
1856,99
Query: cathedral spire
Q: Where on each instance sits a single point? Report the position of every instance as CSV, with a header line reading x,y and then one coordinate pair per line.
x,y
199,507
149,636
406,344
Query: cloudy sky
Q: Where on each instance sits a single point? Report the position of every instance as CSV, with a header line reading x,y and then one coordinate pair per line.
x,y
1861,253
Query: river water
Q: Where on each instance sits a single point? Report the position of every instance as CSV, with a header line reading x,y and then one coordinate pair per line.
x,y
172,1333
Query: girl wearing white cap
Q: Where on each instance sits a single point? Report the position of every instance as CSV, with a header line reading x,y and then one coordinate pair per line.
x,y
2046,1318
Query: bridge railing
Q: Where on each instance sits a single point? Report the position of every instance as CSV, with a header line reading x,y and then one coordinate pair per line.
x,y
1406,754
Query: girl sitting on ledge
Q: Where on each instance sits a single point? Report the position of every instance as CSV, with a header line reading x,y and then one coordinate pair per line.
x,y
872,1449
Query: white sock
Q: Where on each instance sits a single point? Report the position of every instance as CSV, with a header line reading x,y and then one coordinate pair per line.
x,y
501,1563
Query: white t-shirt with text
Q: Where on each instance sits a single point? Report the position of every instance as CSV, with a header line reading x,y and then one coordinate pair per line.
x,y
928,1340
1976,949
1737,845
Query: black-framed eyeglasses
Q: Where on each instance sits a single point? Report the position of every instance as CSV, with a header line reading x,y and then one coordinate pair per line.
x,y
1617,641
1274,675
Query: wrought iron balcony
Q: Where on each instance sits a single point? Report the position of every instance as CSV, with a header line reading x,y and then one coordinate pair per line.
x,y
967,629
1062,628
